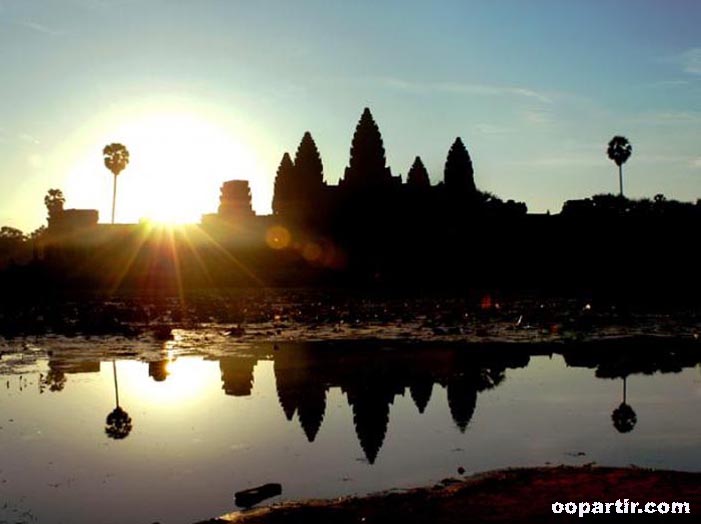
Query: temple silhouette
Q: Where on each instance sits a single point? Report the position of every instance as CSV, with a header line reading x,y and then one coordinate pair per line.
x,y
373,228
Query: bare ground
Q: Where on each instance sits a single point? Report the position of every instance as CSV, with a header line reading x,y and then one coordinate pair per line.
x,y
508,496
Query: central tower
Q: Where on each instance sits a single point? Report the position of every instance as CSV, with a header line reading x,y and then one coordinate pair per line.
x,y
367,167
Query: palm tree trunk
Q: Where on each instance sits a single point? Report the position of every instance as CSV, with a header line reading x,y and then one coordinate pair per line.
x,y
114,196
624,389
116,389
620,178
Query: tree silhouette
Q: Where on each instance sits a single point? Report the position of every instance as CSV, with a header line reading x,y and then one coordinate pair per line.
x,y
367,155
459,173
118,422
54,201
116,159
623,417
37,233
284,185
11,240
11,234
619,150
418,176
36,236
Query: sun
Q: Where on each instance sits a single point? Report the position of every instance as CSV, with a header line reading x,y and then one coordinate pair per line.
x,y
178,161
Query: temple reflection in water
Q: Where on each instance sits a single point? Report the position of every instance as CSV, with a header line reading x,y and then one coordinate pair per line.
x,y
372,376
304,373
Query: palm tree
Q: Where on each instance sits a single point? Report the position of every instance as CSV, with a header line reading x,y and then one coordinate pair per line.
x,y
116,159
619,151
623,417
54,201
118,423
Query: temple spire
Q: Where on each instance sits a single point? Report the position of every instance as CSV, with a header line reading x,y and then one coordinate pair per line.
x,y
308,167
459,174
299,185
283,185
418,176
367,165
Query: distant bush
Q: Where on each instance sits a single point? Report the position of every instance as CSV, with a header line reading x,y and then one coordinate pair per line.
x,y
608,205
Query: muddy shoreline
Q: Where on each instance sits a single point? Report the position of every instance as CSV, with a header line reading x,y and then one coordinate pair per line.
x,y
505,496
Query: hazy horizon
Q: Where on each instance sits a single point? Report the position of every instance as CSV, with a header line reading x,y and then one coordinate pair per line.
x,y
202,92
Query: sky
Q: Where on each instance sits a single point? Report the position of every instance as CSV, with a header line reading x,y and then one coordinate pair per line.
x,y
202,91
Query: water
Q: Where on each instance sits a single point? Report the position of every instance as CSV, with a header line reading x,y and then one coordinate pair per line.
x,y
210,416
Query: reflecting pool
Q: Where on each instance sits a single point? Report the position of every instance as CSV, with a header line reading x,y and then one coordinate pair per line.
x,y
105,430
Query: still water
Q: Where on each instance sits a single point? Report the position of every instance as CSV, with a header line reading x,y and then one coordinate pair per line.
x,y
324,420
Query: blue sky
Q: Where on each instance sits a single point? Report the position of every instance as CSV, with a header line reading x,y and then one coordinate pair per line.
x,y
535,89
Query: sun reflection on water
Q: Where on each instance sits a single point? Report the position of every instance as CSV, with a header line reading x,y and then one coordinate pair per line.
x,y
187,381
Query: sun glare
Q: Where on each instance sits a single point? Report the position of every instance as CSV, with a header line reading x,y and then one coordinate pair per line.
x,y
178,160
186,380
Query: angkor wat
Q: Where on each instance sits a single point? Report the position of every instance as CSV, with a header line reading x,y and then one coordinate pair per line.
x,y
374,228
369,196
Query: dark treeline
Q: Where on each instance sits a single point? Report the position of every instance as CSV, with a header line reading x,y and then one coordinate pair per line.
x,y
374,229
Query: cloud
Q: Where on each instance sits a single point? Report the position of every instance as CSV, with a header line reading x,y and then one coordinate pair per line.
x,y
539,117
490,90
464,88
40,28
696,162
691,61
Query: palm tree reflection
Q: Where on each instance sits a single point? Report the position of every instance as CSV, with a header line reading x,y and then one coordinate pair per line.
x,y
623,417
118,423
